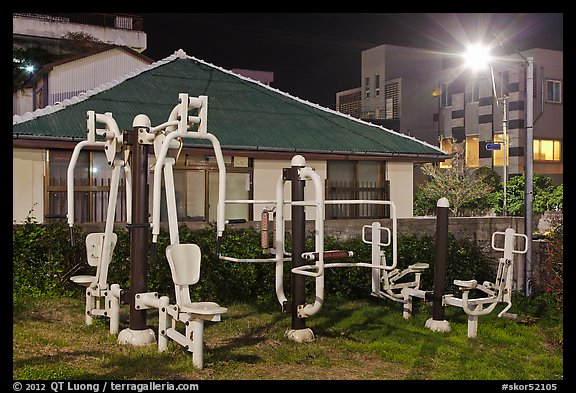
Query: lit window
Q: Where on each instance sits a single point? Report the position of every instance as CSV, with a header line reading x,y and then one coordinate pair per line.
x,y
498,157
472,151
546,150
553,91
446,145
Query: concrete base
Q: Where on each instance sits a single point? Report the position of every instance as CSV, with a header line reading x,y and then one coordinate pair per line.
x,y
300,335
137,337
438,326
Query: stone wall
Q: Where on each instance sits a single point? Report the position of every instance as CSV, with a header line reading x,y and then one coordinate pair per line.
x,y
479,229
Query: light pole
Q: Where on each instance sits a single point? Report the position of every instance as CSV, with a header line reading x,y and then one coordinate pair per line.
x,y
478,57
528,173
504,139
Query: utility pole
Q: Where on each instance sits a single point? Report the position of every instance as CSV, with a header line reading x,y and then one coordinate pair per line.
x,y
528,172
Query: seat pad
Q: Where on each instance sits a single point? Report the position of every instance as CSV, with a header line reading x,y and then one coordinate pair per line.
x,y
202,308
83,280
466,284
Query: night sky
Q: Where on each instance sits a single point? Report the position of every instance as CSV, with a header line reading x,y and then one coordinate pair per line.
x,y
315,55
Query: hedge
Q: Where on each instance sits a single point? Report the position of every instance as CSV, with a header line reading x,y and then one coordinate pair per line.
x,y
44,260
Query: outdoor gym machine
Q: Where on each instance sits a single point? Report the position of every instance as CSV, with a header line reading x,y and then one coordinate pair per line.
x,y
500,291
130,149
101,299
298,174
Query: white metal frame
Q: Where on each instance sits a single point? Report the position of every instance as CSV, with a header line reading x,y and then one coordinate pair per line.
x,y
101,299
498,292
378,263
184,259
185,265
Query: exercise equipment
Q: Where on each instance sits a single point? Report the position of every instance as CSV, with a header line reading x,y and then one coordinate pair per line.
x,y
102,299
130,150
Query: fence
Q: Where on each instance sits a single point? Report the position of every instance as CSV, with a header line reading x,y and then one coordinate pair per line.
x,y
117,21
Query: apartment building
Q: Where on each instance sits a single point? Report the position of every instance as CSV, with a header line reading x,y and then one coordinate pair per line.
x,y
434,98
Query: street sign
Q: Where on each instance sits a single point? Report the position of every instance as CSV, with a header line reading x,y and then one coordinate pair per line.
x,y
492,146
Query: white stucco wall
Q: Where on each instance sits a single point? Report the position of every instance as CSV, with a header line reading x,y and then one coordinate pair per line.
x,y
27,184
266,174
401,177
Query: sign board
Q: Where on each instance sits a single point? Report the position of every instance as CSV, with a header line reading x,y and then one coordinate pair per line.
x,y
492,146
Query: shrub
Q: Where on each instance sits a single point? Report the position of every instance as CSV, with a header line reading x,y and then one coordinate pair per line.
x,y
552,268
43,261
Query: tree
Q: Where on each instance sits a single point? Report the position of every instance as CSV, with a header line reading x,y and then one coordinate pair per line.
x,y
72,44
79,42
459,184
35,57
546,197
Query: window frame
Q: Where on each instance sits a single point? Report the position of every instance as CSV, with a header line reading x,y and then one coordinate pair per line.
x,y
554,142
556,86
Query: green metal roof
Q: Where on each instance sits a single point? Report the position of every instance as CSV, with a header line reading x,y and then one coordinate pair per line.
x,y
242,113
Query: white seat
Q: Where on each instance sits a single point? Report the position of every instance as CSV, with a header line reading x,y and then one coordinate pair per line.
x,y
94,253
419,266
184,261
469,284
83,280
205,308
100,301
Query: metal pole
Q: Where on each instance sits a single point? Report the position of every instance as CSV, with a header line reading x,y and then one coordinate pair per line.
x,y
440,259
298,289
505,164
504,138
437,322
139,227
528,175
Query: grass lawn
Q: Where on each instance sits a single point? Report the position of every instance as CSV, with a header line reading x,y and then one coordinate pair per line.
x,y
355,340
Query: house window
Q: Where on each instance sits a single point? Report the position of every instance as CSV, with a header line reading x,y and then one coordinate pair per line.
x,y
195,186
546,150
367,87
553,91
498,155
92,176
472,151
446,144
357,180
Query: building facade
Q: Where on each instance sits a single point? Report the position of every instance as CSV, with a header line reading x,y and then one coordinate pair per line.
x,y
349,102
47,29
434,98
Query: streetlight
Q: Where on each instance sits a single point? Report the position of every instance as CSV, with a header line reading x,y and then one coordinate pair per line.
x,y
528,173
477,57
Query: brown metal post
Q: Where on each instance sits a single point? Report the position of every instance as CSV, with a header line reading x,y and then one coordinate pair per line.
x,y
139,227
440,259
298,288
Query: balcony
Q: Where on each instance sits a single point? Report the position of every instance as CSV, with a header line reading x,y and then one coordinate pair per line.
x,y
118,29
